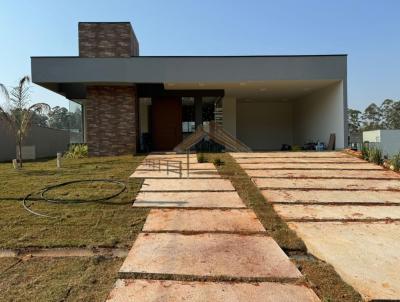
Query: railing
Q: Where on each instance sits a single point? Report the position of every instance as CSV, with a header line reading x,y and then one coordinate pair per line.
x,y
171,165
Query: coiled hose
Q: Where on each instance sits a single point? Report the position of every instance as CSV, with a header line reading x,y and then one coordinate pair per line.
x,y
44,191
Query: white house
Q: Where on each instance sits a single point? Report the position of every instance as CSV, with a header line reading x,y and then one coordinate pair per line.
x,y
387,140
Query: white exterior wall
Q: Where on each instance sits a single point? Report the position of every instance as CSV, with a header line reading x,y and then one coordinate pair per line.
x,y
389,140
319,114
229,115
265,125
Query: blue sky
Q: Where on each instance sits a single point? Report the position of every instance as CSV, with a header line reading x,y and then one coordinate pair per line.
x,y
368,31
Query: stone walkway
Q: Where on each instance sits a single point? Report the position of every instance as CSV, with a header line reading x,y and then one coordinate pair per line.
x,y
346,210
201,243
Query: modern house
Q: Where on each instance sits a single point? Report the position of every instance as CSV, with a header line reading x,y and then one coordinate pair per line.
x,y
134,102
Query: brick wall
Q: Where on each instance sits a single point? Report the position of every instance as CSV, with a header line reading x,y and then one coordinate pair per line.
x,y
101,40
111,120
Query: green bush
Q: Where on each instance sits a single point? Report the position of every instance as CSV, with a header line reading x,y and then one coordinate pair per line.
x,y
395,162
201,158
375,155
77,151
218,162
365,152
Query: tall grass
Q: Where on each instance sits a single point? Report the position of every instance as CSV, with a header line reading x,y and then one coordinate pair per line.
x,y
375,155
395,162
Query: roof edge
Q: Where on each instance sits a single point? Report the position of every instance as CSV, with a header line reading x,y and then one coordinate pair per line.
x,y
194,56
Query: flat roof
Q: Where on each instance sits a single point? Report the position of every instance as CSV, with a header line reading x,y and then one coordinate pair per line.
x,y
56,73
212,56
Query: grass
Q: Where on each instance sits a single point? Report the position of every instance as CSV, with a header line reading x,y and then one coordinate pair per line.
x,y
320,276
78,225
58,279
325,282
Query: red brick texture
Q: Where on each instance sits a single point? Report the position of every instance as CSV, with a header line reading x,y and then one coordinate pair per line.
x,y
111,120
104,40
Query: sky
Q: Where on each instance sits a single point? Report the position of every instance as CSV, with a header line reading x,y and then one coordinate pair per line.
x,y
368,31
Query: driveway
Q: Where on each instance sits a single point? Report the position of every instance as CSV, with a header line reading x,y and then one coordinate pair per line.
x,y
200,237
347,212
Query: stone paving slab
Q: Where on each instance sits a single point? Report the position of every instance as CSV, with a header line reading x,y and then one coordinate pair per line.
x,y
191,291
342,212
311,166
189,200
208,255
267,160
323,196
183,220
300,154
202,166
378,174
168,185
366,255
175,174
342,184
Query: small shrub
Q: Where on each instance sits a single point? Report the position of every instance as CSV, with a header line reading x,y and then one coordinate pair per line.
x,y
375,156
201,158
395,162
77,151
218,162
365,152
296,148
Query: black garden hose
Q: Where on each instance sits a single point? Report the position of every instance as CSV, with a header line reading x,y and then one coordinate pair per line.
x,y
45,190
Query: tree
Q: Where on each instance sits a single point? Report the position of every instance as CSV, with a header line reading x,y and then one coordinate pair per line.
x,y
354,120
40,120
371,117
390,111
59,118
18,113
75,119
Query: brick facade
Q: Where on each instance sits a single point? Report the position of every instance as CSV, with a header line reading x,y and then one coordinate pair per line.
x,y
111,111
103,40
111,120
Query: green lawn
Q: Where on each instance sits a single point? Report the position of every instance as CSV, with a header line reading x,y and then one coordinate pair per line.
x,y
58,279
77,225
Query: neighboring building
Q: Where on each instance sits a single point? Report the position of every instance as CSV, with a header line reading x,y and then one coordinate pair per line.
x,y
134,102
387,140
41,142
355,140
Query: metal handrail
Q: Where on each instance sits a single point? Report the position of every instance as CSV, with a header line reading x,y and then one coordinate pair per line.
x,y
168,163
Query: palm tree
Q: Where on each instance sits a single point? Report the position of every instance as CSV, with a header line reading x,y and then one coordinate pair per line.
x,y
17,112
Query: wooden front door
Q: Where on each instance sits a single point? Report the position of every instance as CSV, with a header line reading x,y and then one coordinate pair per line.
x,y
166,122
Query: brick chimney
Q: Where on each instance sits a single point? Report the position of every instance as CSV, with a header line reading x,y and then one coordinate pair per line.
x,y
107,40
